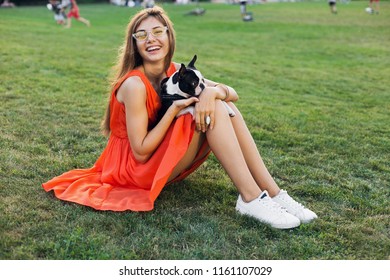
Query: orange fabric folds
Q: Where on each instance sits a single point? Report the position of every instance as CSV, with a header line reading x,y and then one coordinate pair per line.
x,y
117,181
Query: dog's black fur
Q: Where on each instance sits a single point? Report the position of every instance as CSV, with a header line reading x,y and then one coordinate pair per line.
x,y
186,81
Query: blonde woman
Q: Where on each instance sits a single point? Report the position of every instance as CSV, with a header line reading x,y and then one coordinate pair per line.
x,y
143,155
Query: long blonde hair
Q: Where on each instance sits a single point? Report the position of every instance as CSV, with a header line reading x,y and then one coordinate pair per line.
x,y
129,57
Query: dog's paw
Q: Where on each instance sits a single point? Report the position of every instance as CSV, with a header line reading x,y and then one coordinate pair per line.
x,y
229,110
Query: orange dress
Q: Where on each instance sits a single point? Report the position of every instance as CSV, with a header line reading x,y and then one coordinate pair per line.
x,y
117,181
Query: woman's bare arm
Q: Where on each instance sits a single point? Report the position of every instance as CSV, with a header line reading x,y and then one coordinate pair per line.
x,y
143,143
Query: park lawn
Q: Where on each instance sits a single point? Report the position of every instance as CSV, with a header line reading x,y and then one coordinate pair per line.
x,y
314,89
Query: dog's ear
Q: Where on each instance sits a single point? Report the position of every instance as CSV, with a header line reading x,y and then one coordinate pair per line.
x,y
182,70
192,63
175,78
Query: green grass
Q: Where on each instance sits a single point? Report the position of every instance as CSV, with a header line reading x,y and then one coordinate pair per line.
x,y
314,89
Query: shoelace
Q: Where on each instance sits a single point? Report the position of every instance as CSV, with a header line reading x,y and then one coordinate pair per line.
x,y
288,199
275,207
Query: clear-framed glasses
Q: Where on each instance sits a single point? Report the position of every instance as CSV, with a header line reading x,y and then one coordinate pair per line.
x,y
142,35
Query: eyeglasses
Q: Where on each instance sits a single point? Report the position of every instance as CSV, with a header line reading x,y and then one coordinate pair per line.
x,y
142,35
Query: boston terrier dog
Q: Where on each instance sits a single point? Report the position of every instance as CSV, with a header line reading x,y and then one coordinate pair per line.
x,y
184,83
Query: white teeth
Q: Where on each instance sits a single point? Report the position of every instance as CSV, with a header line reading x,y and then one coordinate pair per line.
x,y
152,49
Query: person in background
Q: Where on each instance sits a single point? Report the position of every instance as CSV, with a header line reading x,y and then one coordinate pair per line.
x,y
59,12
74,12
332,6
148,4
7,4
144,154
374,5
243,7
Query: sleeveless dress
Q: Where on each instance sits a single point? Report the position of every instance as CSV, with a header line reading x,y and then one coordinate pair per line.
x,y
117,181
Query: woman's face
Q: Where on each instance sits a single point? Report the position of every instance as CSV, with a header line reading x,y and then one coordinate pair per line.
x,y
154,48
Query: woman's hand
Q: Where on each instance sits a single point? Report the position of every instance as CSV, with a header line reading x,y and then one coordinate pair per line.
x,y
181,104
205,108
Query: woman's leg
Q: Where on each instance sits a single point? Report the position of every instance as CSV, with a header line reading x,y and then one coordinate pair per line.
x,y
260,172
189,157
226,147
252,156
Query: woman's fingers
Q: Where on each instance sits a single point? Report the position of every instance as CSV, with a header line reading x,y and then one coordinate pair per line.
x,y
198,117
204,118
183,103
212,120
204,111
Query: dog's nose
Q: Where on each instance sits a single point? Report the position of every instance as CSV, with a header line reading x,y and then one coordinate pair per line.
x,y
202,86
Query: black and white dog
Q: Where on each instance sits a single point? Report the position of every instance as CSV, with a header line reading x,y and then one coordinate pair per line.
x,y
185,83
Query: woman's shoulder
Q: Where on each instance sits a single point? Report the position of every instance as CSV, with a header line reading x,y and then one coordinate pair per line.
x,y
133,84
134,78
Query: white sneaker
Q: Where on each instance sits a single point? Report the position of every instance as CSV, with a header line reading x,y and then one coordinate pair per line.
x,y
266,210
298,210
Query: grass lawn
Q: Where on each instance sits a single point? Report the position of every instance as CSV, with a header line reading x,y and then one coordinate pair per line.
x,y
314,89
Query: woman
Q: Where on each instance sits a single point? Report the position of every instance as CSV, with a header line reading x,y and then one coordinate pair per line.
x,y
143,156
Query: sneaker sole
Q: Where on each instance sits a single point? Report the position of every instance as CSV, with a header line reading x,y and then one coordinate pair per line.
x,y
285,226
307,221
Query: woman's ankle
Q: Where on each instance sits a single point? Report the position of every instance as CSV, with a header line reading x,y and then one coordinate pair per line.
x,y
248,197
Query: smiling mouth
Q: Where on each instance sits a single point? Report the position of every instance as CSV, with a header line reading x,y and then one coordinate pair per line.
x,y
151,49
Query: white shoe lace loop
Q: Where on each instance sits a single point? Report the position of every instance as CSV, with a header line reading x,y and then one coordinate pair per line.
x,y
273,206
283,195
